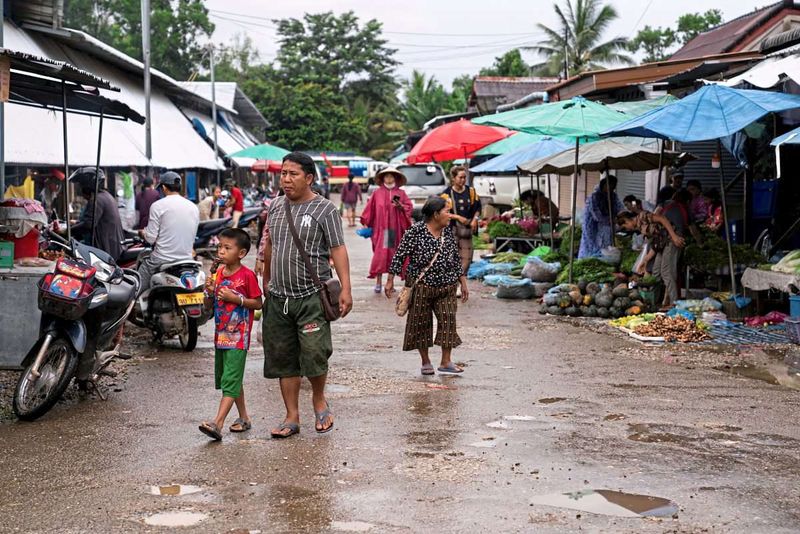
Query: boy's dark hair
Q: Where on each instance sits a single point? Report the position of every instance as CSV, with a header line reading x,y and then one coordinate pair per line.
x,y
630,198
304,160
239,236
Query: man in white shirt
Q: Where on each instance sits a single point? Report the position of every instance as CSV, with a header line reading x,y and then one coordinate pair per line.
x,y
171,229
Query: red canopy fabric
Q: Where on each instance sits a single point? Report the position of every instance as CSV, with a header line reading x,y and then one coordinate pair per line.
x,y
266,165
455,140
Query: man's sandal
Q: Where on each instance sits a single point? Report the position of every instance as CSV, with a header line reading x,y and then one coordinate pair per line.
x,y
293,429
323,416
243,426
210,430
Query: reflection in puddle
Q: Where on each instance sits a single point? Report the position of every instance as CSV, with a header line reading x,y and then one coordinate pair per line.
x,y
175,519
779,373
613,503
351,526
175,489
498,424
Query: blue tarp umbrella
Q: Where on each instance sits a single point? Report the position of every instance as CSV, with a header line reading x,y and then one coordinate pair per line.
x,y
509,162
712,112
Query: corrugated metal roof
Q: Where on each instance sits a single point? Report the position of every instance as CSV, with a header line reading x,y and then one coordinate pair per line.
x,y
726,36
231,97
488,92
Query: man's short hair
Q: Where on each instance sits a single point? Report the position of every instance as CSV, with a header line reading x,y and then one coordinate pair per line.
x,y
239,236
304,160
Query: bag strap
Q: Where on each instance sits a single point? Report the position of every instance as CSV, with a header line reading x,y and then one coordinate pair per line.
x,y
299,245
424,271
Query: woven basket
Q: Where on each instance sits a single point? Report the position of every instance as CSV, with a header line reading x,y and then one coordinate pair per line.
x,y
735,313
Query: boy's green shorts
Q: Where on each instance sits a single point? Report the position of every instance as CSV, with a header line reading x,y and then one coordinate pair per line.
x,y
229,371
297,342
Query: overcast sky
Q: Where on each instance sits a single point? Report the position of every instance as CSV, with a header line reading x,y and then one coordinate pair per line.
x,y
447,38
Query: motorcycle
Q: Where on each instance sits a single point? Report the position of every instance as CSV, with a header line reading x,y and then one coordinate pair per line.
x,y
84,304
173,304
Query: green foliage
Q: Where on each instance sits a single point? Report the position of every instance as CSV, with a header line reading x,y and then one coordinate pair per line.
x,y
509,64
425,98
563,248
714,254
497,229
580,33
587,270
177,27
691,25
655,42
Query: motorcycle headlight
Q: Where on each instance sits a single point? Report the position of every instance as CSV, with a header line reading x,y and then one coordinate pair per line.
x,y
104,270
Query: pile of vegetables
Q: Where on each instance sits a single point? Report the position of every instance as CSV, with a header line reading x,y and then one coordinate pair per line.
x,y
713,254
497,229
563,248
632,321
673,329
508,257
590,299
588,269
789,264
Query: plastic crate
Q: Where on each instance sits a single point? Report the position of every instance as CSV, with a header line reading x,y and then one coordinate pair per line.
x,y
792,325
794,305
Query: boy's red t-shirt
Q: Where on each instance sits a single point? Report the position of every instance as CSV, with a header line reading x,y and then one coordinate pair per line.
x,y
233,322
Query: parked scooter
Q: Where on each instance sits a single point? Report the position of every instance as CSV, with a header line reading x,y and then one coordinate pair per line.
x,y
84,304
173,304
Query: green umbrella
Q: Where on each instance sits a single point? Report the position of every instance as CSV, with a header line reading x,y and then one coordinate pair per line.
x,y
640,107
264,151
574,119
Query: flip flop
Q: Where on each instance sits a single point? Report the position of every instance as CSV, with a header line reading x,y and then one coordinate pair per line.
x,y
322,417
378,288
451,369
210,430
244,426
293,428
427,370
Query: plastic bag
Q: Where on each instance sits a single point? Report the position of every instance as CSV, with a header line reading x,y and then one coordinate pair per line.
x,y
611,255
504,279
366,233
540,288
539,271
501,268
517,292
477,269
538,252
638,263
678,312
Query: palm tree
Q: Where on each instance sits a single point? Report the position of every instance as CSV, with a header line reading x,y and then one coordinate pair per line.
x,y
580,34
425,98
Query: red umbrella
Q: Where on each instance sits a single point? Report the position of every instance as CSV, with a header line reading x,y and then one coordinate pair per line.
x,y
455,140
266,165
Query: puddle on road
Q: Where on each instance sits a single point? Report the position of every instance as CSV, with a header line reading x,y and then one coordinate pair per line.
x,y
502,425
612,503
519,417
782,370
432,439
175,519
175,489
337,388
614,417
551,400
485,443
351,526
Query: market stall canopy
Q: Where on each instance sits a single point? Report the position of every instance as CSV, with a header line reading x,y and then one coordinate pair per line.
x,y
263,165
769,73
712,112
640,107
509,144
262,151
546,146
789,138
457,139
600,156
577,117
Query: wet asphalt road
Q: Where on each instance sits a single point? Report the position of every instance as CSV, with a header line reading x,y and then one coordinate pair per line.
x,y
594,411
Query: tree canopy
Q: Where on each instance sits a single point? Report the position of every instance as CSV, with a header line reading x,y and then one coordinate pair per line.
x,y
657,43
509,64
578,41
179,28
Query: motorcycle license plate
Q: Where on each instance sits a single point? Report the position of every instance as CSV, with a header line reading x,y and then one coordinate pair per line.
x,y
188,299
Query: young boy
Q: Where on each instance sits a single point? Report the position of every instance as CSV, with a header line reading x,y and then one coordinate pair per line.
x,y
234,293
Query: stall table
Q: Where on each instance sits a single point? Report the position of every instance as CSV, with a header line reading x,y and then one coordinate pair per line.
x,y
19,314
758,280
518,244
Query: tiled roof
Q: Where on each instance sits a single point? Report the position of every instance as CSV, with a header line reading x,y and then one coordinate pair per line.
x,y
725,37
488,92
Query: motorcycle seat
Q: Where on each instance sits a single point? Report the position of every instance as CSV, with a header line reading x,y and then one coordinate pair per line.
x,y
180,263
119,295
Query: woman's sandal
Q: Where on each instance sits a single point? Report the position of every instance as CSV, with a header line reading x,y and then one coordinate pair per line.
x,y
243,426
322,417
293,429
427,370
451,369
210,430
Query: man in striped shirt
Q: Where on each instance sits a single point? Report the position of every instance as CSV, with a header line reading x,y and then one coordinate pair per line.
x,y
297,338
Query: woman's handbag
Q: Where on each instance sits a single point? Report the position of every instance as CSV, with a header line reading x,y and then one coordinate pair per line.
x,y
463,231
404,298
329,290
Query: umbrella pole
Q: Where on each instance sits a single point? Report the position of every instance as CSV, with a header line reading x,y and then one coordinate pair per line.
x,y
97,180
519,197
610,209
574,209
660,164
537,189
725,218
550,209
66,159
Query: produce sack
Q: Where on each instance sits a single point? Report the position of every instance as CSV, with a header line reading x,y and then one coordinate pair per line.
x,y
789,264
540,252
611,255
678,312
539,271
478,269
540,288
512,288
497,279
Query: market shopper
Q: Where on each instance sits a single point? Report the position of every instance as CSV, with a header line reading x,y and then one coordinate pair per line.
x,y
698,205
714,219
143,202
351,197
209,206
235,202
465,211
388,214
171,229
666,193
434,269
297,337
543,208
665,245
108,232
597,232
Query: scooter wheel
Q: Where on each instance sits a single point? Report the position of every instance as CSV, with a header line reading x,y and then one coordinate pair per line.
x,y
188,337
34,397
